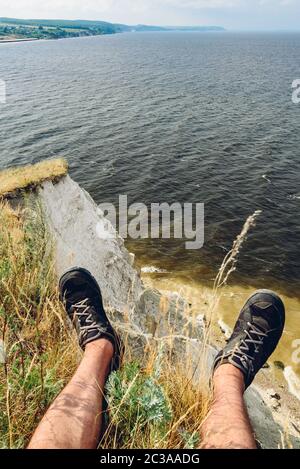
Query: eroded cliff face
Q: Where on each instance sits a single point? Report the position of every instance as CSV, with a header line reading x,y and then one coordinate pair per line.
x,y
82,236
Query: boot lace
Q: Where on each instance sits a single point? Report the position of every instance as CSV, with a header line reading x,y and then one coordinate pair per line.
x,y
254,336
83,312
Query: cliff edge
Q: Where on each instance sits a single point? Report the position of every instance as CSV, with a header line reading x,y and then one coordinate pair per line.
x,y
80,235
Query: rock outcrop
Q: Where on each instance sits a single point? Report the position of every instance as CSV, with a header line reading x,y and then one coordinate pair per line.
x,y
84,237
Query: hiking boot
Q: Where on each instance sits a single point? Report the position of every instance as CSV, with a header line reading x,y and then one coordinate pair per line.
x,y
255,336
83,302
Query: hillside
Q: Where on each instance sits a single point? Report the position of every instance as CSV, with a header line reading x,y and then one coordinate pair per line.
x,y
18,29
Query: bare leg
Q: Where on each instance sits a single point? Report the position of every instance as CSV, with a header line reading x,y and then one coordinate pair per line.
x,y
74,419
227,425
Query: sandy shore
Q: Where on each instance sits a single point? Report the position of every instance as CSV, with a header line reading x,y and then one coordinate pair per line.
x,y
230,302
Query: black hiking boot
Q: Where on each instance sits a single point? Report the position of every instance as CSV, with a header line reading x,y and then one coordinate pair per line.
x,y
83,302
255,336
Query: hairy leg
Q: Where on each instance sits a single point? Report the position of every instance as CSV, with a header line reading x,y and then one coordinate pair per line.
x,y
74,419
227,425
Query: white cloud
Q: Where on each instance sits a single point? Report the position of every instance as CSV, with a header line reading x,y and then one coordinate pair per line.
x,y
104,6
207,4
204,4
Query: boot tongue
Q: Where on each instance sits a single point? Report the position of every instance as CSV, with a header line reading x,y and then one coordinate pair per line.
x,y
262,316
77,297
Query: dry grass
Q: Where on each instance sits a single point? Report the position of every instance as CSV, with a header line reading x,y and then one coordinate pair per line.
x,y
41,353
156,405
24,177
227,267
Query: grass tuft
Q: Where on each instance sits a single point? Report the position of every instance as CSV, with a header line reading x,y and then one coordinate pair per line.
x,y
154,411
41,354
24,177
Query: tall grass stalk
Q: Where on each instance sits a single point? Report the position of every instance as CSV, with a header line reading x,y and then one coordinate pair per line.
x,y
227,267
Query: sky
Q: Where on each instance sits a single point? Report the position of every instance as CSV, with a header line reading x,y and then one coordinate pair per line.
x,y
232,14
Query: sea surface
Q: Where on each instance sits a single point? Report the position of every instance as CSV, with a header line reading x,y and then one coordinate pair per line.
x,y
171,117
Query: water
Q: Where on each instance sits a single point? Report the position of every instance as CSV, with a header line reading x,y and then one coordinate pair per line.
x,y
166,117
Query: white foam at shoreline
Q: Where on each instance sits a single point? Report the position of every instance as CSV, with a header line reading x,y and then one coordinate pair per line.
x,y
293,381
225,328
152,270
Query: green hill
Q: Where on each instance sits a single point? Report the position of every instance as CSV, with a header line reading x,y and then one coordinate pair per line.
x,y
13,28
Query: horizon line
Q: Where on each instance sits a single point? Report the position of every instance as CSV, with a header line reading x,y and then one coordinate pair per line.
x,y
226,29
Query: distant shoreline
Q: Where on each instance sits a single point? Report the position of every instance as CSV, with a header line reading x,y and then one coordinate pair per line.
x,y
20,30
35,39
7,41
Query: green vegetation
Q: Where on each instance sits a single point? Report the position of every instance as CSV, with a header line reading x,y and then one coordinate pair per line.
x,y
12,28
138,404
56,29
43,29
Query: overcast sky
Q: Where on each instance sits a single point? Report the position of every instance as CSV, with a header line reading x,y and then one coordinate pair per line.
x,y
232,14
